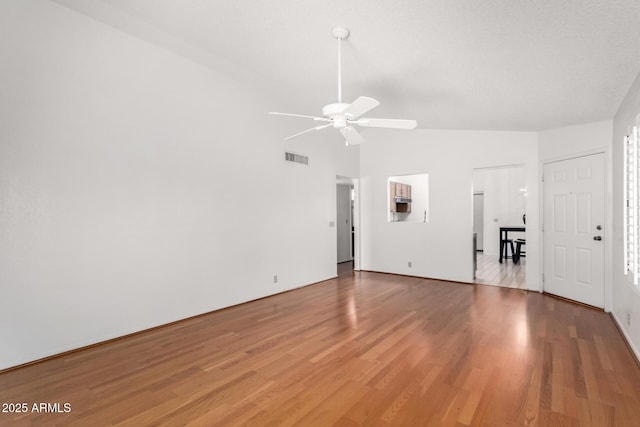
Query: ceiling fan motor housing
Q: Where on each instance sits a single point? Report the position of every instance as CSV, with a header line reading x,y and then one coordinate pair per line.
x,y
335,112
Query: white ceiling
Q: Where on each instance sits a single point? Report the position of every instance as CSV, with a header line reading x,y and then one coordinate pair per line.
x,y
449,64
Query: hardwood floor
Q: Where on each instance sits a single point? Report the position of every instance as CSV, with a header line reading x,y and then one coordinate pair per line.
x,y
345,267
363,349
505,274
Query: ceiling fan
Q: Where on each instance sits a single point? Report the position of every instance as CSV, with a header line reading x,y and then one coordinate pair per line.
x,y
345,116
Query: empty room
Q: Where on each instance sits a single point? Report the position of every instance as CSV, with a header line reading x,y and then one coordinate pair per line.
x,y
301,213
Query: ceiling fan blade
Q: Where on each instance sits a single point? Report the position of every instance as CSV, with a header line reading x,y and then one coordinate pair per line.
x,y
352,135
309,130
360,106
322,119
387,123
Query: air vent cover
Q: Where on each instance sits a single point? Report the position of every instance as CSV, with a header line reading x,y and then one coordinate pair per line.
x,y
296,158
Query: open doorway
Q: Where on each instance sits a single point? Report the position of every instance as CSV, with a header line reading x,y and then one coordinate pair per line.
x,y
346,225
500,194
478,220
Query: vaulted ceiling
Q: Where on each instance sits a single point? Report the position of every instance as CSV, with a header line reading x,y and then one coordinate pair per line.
x,y
449,64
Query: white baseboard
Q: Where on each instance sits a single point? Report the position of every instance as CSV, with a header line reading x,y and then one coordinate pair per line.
x,y
627,338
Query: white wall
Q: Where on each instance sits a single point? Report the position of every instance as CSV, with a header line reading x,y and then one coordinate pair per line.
x,y
442,247
504,203
626,297
565,142
138,187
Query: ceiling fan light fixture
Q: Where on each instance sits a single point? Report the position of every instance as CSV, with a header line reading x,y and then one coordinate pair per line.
x,y
339,123
341,33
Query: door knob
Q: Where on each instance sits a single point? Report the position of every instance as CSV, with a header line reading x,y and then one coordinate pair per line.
x,y
597,237
599,227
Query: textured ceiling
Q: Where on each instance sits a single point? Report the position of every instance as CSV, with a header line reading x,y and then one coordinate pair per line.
x,y
449,64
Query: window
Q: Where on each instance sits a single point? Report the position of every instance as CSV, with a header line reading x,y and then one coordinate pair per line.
x,y
631,206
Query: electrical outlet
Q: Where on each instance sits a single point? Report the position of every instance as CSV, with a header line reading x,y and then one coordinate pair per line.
x,y
410,264
275,278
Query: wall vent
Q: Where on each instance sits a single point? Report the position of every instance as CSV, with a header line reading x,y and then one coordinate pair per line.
x,y
290,157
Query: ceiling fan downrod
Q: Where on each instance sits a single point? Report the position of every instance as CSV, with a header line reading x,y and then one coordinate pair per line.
x,y
340,33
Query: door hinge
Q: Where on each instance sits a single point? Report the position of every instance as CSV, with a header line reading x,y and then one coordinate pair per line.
x,y
542,277
542,178
543,228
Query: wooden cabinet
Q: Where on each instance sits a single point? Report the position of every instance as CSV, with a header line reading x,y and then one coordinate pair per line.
x,y
399,197
392,197
403,190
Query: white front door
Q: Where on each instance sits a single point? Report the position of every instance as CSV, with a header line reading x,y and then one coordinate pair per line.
x,y
573,222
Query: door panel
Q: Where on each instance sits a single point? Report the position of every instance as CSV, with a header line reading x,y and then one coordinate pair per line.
x,y
560,262
583,266
573,208
560,213
583,213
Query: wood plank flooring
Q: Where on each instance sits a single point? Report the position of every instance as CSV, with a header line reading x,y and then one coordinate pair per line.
x,y
506,274
363,349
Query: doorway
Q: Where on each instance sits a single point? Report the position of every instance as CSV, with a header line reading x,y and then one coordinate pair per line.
x,y
347,206
478,220
573,229
499,203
